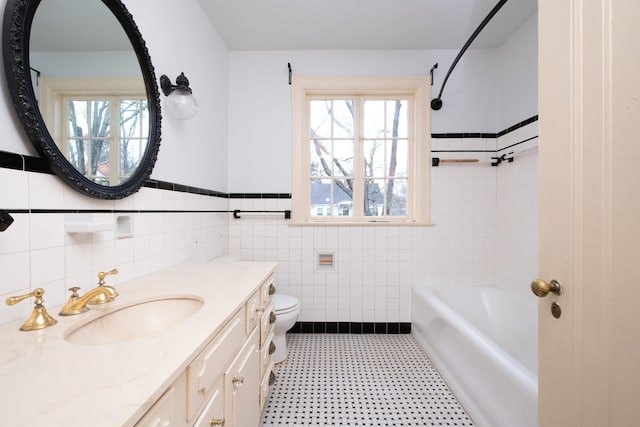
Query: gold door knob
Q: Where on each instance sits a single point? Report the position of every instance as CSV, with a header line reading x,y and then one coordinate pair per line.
x,y
217,421
542,288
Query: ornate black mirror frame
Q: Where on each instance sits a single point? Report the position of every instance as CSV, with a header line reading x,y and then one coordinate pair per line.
x,y
18,17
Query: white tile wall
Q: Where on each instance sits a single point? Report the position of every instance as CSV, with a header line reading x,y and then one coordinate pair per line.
x,y
485,233
517,213
376,266
35,251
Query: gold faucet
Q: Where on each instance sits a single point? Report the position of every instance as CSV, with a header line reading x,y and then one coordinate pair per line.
x,y
39,318
102,298
78,304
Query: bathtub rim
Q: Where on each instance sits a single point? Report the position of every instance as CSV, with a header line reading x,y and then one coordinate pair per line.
x,y
466,396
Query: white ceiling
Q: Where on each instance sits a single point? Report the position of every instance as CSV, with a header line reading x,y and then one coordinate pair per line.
x,y
363,24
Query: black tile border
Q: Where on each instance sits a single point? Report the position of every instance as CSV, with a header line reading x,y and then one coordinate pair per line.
x,y
35,164
463,135
259,195
485,135
11,161
357,328
107,211
170,186
517,126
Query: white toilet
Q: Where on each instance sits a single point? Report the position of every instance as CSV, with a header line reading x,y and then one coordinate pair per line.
x,y
287,309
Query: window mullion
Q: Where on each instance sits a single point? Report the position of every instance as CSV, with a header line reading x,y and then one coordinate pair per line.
x,y
114,141
64,127
358,161
412,164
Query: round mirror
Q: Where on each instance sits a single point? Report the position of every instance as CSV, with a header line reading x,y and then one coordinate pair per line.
x,y
85,90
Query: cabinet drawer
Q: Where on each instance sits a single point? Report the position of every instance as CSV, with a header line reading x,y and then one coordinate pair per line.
x,y
265,385
213,413
170,409
266,353
253,312
209,365
267,290
267,322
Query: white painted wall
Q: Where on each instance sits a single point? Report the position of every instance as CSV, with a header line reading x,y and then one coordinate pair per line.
x,y
518,76
260,101
192,152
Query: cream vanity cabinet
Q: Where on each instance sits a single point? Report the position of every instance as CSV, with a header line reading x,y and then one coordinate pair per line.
x,y
228,382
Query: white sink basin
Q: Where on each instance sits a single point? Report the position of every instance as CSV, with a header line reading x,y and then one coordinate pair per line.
x,y
139,319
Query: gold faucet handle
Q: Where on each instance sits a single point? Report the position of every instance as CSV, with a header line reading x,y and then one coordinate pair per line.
x,y
37,293
104,274
39,318
74,292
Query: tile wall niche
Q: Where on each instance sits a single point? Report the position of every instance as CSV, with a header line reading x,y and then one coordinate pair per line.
x,y
473,241
169,227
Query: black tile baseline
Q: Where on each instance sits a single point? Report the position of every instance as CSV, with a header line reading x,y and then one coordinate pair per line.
x,y
351,328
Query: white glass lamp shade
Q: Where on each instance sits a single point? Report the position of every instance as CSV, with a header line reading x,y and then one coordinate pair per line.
x,y
181,104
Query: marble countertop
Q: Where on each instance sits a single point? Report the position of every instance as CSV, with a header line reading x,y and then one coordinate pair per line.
x,y
47,381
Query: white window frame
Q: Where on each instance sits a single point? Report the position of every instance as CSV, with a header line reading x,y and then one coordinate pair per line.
x,y
416,90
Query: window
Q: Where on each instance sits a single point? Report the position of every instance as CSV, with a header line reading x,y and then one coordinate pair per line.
x,y
361,150
101,127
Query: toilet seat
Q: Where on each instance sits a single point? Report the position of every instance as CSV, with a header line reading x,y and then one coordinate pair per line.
x,y
285,303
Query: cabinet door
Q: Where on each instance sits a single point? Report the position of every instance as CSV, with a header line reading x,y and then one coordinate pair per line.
x,y
213,413
242,386
171,409
209,365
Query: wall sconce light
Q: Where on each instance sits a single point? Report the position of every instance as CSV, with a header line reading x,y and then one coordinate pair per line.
x,y
181,103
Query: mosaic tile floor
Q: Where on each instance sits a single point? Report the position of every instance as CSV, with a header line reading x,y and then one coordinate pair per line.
x,y
359,380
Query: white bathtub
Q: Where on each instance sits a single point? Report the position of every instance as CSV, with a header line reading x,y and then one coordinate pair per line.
x,y
484,343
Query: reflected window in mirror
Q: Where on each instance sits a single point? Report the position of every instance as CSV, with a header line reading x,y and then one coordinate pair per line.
x,y
100,125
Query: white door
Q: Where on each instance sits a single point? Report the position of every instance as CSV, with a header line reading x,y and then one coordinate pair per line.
x,y
589,109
